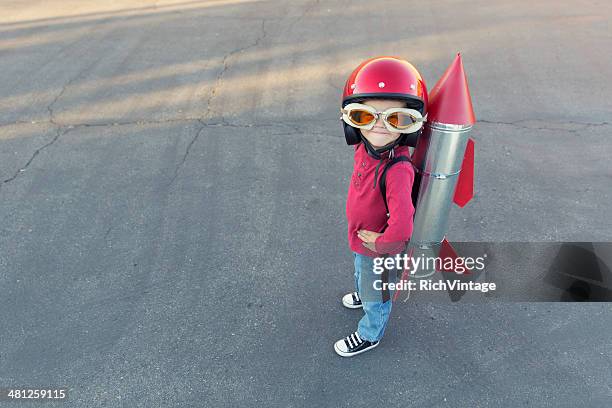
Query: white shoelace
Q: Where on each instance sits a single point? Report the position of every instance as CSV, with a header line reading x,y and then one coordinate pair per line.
x,y
354,340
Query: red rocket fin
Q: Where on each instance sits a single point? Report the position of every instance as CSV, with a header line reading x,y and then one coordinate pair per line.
x,y
447,251
449,100
464,191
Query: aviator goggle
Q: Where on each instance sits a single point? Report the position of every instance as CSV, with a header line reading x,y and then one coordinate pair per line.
x,y
396,120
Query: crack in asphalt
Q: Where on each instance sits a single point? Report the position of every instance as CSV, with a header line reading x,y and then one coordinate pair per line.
x,y
585,125
220,75
58,132
306,11
107,232
54,101
182,162
63,90
211,96
61,129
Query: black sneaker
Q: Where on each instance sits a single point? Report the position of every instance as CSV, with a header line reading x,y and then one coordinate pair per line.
x,y
352,300
352,345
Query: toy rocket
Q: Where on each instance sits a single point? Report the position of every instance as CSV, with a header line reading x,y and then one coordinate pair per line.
x,y
444,155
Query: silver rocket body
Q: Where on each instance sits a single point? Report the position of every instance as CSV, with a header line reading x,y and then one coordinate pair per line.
x,y
440,167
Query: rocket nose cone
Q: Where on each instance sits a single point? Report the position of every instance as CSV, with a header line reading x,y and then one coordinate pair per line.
x,y
449,100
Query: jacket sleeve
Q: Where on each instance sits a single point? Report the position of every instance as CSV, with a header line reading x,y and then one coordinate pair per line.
x,y
401,211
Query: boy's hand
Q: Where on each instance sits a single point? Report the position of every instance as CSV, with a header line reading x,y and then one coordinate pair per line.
x,y
368,238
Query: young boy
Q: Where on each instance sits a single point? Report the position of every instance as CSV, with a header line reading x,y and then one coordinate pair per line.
x,y
383,105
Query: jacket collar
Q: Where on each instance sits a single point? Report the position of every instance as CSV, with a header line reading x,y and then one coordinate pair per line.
x,y
384,154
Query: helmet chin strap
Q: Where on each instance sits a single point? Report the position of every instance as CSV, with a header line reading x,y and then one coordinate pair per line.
x,y
374,152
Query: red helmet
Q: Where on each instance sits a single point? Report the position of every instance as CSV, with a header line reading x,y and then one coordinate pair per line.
x,y
385,78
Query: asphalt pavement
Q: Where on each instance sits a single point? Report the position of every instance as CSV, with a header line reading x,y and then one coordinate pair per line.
x,y
173,177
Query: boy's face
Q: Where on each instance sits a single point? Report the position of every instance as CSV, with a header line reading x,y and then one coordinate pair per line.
x,y
379,136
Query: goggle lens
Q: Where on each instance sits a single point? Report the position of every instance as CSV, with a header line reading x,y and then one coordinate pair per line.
x,y
361,117
401,120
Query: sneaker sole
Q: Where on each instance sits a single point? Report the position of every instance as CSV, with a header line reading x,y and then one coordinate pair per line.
x,y
343,354
350,306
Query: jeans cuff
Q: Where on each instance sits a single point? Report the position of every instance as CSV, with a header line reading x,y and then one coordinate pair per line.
x,y
362,338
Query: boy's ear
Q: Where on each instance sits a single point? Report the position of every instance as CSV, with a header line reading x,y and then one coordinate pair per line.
x,y
351,134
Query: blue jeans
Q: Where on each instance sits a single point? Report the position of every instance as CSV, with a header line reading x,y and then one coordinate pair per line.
x,y
376,303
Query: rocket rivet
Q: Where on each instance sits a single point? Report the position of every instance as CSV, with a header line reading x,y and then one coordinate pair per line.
x,y
353,86
412,86
381,84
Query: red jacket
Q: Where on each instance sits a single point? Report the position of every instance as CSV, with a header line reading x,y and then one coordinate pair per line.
x,y
365,208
